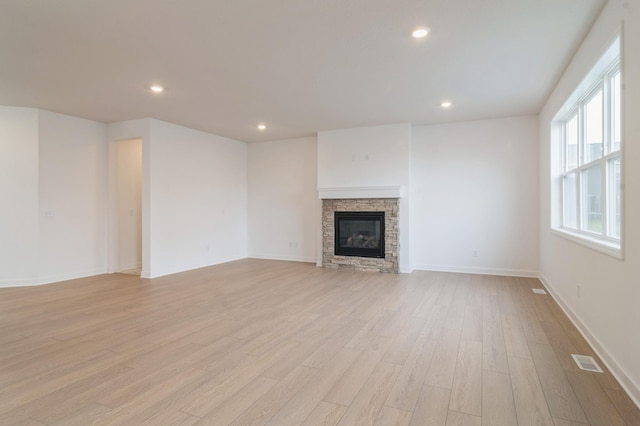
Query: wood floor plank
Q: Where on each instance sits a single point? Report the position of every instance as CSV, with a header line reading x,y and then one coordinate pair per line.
x,y
531,405
233,407
625,406
406,390
269,342
443,362
563,422
325,414
498,407
298,408
597,406
265,408
557,389
455,418
347,388
432,407
368,404
393,417
466,393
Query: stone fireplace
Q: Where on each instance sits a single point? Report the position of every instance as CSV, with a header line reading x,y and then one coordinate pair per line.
x,y
361,235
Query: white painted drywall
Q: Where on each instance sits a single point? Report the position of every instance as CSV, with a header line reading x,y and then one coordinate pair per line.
x,y
283,204
364,157
18,196
129,200
474,192
198,199
73,197
607,309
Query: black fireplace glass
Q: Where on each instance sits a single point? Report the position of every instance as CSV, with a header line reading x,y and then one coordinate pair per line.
x,y
359,234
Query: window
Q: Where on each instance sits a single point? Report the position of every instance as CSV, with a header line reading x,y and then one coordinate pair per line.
x,y
589,159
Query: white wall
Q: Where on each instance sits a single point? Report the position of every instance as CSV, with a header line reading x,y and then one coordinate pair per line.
x,y
18,196
73,197
474,190
283,204
365,157
607,310
198,199
129,200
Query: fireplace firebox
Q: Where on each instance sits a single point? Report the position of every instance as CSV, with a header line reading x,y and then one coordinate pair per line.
x,y
359,234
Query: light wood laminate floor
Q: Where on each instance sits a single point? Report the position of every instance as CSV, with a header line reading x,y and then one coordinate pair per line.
x,y
281,343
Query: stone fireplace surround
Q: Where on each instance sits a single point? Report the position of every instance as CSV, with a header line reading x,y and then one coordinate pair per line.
x,y
391,208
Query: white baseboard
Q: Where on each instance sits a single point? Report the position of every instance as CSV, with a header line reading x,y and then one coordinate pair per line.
x,y
478,270
627,383
306,259
50,279
188,267
129,266
19,283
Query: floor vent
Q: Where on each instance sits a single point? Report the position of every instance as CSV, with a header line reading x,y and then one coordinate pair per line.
x,y
587,363
539,291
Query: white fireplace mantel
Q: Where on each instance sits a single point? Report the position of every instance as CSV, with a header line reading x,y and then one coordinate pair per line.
x,y
362,192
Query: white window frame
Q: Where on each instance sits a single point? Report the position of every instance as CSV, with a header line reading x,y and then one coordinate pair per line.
x,y
599,78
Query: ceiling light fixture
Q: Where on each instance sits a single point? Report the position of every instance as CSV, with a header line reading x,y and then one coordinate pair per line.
x,y
446,104
420,32
157,89
262,126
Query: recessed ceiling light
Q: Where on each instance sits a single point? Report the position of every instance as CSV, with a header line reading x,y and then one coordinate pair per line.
x,y
420,32
157,89
262,126
446,104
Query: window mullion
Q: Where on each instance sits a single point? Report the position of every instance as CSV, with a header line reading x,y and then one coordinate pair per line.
x,y
580,113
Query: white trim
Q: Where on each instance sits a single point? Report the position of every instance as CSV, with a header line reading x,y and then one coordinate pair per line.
x,y
52,278
406,269
190,267
305,259
19,283
631,388
478,270
597,244
362,192
135,265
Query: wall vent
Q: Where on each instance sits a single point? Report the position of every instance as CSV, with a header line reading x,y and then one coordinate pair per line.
x,y
539,291
587,363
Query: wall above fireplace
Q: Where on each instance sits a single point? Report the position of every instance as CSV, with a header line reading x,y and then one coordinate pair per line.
x,y
369,164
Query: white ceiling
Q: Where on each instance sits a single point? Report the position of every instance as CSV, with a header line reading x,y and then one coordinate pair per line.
x,y
301,66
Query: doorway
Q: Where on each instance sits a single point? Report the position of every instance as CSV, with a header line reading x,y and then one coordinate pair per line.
x,y
128,201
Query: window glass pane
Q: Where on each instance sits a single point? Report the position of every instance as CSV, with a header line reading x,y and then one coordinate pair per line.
x,y
570,194
616,104
571,140
613,182
591,199
593,128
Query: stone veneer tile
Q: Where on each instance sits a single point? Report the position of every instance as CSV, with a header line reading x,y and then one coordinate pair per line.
x,y
390,207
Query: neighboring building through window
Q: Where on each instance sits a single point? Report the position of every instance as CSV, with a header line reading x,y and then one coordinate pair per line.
x,y
588,155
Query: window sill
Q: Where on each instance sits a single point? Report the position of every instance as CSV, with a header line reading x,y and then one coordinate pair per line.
x,y
606,247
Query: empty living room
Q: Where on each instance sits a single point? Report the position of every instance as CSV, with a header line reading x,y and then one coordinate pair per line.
x,y
416,212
